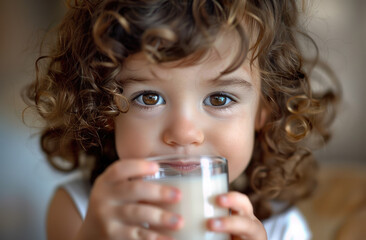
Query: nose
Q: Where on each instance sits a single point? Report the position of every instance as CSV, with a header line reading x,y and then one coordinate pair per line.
x,y
183,132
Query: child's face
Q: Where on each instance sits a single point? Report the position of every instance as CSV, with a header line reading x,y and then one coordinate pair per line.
x,y
186,110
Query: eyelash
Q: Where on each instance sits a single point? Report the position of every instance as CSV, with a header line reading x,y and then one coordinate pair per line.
x,y
229,97
142,93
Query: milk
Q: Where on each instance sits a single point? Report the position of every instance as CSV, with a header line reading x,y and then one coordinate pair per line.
x,y
197,205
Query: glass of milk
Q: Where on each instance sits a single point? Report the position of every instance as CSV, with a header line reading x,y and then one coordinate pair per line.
x,y
200,179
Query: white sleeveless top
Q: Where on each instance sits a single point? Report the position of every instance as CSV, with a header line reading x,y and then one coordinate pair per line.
x,y
289,225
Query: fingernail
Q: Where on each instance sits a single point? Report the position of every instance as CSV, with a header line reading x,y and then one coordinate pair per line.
x,y
173,194
223,199
173,220
216,224
154,166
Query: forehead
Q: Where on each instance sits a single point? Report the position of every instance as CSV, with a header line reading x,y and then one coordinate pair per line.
x,y
210,64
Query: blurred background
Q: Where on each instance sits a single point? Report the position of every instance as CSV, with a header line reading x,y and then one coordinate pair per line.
x,y
27,182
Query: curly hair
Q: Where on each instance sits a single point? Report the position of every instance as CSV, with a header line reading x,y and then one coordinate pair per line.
x,y
76,93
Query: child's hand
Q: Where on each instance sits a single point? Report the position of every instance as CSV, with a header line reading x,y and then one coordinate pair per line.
x,y
118,206
242,224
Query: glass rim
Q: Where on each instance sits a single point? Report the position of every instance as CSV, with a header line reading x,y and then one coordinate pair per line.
x,y
175,157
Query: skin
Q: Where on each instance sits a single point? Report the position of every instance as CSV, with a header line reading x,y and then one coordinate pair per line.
x,y
191,110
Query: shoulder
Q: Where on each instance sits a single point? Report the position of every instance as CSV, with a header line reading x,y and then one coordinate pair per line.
x,y
66,208
287,225
63,219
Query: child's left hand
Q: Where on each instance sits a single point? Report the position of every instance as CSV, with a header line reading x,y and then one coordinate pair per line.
x,y
242,224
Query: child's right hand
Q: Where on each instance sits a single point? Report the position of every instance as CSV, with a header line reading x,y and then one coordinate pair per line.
x,y
119,206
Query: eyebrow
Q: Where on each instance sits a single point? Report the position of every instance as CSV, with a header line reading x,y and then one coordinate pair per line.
x,y
131,79
217,82
229,81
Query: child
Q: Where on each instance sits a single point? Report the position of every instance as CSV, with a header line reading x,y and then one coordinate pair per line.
x,y
127,80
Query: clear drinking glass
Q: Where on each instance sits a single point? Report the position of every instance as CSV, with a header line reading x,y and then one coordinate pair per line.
x,y
200,179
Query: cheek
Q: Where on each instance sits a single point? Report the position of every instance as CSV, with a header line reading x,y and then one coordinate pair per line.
x,y
133,140
235,142
240,154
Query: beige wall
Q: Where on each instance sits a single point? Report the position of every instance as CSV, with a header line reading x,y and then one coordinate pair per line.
x,y
26,182
339,27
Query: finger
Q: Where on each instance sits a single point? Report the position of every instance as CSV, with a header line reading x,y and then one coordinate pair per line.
x,y
134,214
126,169
137,233
236,201
244,227
138,190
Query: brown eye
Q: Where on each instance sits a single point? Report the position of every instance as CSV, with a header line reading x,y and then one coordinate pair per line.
x,y
149,98
217,100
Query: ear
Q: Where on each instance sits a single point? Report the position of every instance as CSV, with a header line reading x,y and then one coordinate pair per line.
x,y
261,117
